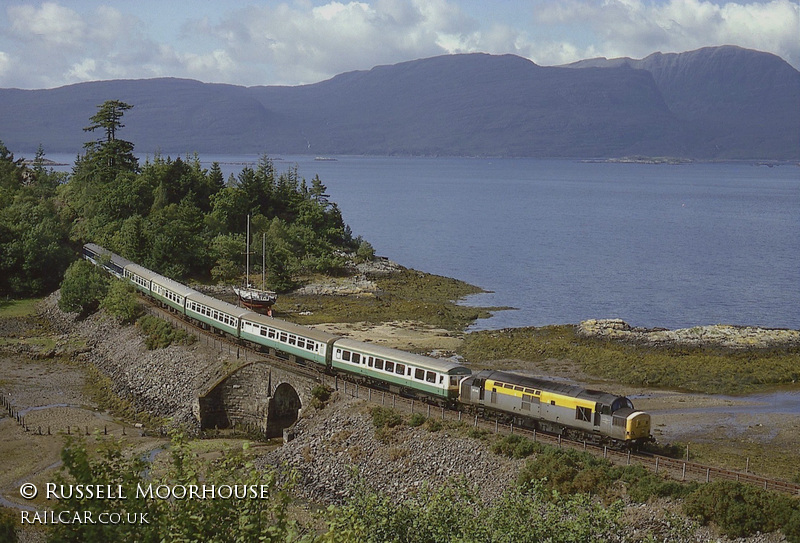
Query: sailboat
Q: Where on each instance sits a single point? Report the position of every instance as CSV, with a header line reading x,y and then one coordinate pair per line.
x,y
260,300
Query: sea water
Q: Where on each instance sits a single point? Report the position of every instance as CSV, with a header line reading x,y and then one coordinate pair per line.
x,y
657,245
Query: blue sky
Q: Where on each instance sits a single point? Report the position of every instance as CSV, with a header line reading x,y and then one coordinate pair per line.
x,y
59,42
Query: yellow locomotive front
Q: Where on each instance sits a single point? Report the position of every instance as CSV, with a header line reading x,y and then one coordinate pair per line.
x,y
637,428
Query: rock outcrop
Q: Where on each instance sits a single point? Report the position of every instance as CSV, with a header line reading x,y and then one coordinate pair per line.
x,y
718,335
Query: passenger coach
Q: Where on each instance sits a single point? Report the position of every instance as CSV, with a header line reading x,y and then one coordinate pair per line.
x,y
299,341
408,373
104,258
215,313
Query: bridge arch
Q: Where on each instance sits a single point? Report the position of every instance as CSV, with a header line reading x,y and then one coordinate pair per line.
x,y
257,396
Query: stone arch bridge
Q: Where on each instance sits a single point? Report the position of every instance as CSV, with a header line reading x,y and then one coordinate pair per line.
x,y
259,396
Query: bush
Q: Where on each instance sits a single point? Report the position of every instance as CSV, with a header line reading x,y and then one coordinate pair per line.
x,y
417,419
121,302
742,510
383,417
82,289
320,395
515,446
433,425
8,525
159,333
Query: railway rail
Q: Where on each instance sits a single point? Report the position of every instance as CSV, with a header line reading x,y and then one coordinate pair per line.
x,y
682,470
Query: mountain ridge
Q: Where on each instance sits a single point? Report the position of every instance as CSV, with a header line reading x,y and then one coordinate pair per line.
x,y
713,103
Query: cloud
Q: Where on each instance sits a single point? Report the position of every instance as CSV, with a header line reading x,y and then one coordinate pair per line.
x,y
304,41
306,45
637,28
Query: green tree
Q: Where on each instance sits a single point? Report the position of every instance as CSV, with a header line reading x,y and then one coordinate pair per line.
x,y
227,251
121,302
109,153
34,249
83,288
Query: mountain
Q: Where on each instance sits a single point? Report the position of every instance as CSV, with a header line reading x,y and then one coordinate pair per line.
x,y
713,103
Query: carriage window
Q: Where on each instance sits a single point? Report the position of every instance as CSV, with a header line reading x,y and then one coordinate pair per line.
x,y
370,360
271,334
301,342
292,339
453,380
346,356
400,370
378,364
430,377
389,366
419,374
356,358
508,386
284,337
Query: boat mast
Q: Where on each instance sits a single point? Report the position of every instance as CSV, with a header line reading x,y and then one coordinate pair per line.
x,y
263,259
247,272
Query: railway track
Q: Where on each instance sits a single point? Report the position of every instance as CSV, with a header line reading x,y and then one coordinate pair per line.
x,y
682,470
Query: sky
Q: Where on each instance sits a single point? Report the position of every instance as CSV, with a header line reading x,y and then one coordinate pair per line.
x,y
55,43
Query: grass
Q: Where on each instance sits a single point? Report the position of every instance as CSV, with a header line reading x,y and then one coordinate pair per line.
x,y
765,460
405,295
18,308
697,369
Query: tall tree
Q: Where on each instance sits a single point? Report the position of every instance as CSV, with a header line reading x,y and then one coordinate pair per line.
x,y
110,152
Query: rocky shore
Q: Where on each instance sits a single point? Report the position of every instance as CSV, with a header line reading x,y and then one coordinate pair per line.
x,y
718,335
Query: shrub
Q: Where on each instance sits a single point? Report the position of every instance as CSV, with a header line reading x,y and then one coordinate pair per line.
x,y
82,288
8,525
121,302
383,417
320,395
742,510
515,446
159,333
433,425
417,419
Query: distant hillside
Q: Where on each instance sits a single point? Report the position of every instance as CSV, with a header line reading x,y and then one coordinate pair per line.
x,y
714,103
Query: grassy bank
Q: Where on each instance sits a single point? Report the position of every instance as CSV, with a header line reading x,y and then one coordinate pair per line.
x,y
697,369
18,308
405,295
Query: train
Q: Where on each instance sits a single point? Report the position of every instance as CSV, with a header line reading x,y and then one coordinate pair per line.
x,y
529,402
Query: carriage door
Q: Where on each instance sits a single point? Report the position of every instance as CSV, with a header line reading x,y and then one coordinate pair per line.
x,y
478,390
